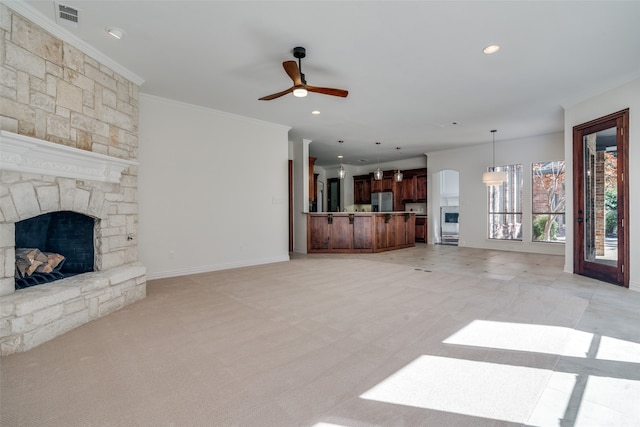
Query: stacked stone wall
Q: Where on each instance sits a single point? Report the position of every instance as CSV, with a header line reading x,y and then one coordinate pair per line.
x,y
57,93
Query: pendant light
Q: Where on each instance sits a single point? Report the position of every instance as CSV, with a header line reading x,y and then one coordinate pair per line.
x,y
341,171
494,178
397,175
377,174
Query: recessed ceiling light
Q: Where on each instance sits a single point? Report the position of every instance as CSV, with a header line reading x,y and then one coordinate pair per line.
x,y
491,49
115,32
316,112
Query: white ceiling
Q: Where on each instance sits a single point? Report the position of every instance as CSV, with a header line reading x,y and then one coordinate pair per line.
x,y
412,68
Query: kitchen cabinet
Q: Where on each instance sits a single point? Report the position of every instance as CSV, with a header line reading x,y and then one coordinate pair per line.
x,y
362,190
341,236
421,229
414,186
421,187
394,231
318,233
384,184
362,233
359,232
408,187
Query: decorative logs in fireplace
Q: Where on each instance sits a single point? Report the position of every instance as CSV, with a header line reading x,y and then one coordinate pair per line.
x,y
67,233
34,267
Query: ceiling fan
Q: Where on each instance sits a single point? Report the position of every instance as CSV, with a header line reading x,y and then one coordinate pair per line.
x,y
300,86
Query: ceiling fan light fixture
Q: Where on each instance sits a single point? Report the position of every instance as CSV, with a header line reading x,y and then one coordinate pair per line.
x,y
300,91
491,49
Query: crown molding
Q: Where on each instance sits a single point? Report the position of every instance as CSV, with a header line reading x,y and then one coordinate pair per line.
x,y
66,36
219,113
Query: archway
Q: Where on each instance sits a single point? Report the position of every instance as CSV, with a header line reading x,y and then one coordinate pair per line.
x,y
446,200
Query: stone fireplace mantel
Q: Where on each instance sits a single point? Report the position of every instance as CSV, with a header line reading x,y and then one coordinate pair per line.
x,y
21,153
39,177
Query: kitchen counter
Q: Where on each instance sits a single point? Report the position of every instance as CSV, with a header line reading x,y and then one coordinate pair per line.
x,y
359,232
362,213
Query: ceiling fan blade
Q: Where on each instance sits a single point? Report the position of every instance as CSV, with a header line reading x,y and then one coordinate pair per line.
x,y
276,95
328,91
293,71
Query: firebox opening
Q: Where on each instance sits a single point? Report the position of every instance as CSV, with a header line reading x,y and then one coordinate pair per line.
x,y
67,233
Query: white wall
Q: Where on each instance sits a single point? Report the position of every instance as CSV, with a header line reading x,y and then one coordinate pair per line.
x,y
471,162
212,189
623,97
300,156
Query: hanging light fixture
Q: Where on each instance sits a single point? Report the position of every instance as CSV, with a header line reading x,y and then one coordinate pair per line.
x,y
494,177
341,171
397,175
377,174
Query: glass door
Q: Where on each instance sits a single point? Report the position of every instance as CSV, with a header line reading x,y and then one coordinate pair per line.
x,y
601,199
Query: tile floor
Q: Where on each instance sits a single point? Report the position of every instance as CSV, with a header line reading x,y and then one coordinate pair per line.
x,y
427,336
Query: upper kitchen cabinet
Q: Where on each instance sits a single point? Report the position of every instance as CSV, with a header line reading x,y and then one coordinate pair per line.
x,y
414,186
384,184
421,187
362,189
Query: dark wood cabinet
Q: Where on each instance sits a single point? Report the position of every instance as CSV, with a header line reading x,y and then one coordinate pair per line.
x,y
362,232
394,231
319,237
414,186
359,233
387,182
421,187
384,184
421,229
376,185
408,188
362,189
341,236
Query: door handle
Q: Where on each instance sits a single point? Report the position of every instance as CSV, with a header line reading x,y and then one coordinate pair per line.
x,y
580,220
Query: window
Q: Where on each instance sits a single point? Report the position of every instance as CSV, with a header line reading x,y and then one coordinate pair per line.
x,y
505,205
548,192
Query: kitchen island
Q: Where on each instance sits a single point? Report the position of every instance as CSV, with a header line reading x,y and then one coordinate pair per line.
x,y
359,232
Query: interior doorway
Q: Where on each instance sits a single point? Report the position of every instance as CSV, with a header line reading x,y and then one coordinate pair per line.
x,y
446,203
333,195
601,198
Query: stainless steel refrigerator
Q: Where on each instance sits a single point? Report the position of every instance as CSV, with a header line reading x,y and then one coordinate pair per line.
x,y
382,202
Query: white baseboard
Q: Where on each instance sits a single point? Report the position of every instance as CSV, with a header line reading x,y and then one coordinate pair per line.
x,y
216,267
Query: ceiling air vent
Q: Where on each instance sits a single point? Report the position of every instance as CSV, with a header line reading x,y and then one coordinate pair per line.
x,y
66,15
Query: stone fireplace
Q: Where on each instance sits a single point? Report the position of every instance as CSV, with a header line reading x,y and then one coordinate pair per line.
x,y
39,178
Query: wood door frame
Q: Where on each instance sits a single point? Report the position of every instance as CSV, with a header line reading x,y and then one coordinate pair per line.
x,y
290,205
618,275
